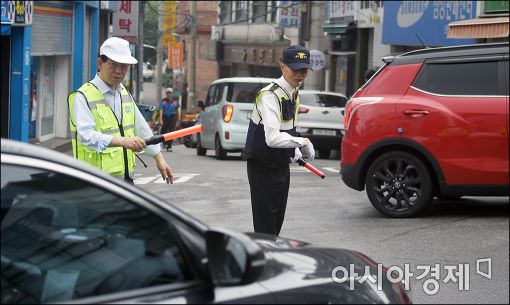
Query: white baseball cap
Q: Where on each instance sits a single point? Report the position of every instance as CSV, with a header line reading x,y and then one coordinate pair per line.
x,y
117,49
169,90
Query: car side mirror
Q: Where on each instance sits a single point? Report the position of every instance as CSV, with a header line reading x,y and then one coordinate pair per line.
x,y
233,258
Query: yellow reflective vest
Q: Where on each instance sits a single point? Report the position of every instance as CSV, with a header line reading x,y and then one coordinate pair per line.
x,y
117,161
256,146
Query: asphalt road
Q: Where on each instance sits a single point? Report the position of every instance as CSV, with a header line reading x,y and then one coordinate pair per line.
x,y
329,214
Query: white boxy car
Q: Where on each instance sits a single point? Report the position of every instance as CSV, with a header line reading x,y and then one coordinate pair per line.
x,y
321,119
228,108
227,112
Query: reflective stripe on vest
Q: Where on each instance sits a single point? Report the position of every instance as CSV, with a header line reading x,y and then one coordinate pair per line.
x,y
112,160
281,95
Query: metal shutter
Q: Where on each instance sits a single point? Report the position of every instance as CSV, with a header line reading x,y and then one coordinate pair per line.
x,y
86,46
51,33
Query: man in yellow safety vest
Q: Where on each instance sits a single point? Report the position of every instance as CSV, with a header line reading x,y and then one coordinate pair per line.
x,y
107,127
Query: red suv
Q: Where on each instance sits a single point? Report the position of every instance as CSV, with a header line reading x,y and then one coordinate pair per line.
x,y
432,122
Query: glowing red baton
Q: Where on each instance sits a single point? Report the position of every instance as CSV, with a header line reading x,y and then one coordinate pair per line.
x,y
311,168
174,134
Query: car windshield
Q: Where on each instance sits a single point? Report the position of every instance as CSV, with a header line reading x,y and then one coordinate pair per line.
x,y
322,100
244,92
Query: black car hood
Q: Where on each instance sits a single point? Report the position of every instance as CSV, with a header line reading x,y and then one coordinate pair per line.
x,y
302,257
295,267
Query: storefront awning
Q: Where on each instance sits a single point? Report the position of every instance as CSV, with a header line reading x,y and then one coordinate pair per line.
x,y
479,28
335,28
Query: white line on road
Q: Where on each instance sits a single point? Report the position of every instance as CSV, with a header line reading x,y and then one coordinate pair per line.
x,y
144,180
330,169
181,178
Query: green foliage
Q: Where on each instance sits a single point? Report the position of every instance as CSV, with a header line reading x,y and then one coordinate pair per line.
x,y
150,30
150,23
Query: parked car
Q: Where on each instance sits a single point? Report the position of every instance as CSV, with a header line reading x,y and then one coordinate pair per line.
x,y
148,72
227,112
71,233
431,122
321,119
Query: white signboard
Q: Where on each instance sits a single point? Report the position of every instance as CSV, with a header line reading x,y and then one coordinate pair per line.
x,y
340,9
317,60
125,20
288,14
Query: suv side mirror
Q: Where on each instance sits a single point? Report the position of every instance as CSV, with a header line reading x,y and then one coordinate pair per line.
x,y
233,258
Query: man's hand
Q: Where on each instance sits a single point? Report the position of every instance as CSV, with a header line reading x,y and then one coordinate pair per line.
x,y
297,155
164,168
135,144
308,152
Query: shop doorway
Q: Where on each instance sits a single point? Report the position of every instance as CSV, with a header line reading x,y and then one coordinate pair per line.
x,y
5,83
42,98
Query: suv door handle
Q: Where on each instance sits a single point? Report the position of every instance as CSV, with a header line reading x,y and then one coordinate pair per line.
x,y
416,113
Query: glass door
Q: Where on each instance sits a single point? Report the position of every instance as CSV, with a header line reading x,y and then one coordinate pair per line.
x,y
46,107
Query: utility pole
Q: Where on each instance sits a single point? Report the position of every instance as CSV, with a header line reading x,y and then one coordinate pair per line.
x,y
139,52
192,57
159,55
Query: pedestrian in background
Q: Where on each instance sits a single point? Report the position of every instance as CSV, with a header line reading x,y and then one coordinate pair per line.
x,y
106,125
199,108
272,142
169,112
370,72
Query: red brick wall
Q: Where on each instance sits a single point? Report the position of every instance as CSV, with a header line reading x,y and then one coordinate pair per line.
x,y
206,71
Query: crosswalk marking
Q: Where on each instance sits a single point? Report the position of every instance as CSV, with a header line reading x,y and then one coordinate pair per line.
x,y
185,177
144,180
330,169
298,169
303,169
178,178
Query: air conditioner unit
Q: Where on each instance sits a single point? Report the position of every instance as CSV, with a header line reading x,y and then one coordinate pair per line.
x,y
216,32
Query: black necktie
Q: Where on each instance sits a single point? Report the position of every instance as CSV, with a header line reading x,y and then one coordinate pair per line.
x,y
294,96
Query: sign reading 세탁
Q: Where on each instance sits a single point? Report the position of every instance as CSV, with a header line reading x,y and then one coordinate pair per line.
x,y
125,20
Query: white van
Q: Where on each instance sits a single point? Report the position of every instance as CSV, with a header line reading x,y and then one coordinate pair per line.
x,y
227,112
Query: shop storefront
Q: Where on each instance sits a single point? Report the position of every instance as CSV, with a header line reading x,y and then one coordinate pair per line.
x,y
5,71
16,42
342,31
50,68
48,50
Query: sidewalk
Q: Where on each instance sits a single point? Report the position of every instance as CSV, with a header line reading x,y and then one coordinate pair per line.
x,y
58,144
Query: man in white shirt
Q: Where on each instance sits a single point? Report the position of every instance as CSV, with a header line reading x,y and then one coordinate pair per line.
x,y
272,142
104,116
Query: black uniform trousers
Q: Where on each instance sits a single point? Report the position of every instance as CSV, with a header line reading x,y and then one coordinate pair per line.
x,y
168,126
269,189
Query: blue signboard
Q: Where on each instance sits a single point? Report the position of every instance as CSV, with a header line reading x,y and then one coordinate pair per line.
x,y
404,21
6,22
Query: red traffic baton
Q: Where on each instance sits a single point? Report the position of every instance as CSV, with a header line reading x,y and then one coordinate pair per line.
x,y
311,168
174,134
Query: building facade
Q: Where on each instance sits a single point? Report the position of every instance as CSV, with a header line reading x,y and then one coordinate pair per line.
x,y
206,70
52,53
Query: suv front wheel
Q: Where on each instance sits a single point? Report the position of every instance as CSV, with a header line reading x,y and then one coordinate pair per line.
x,y
398,184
